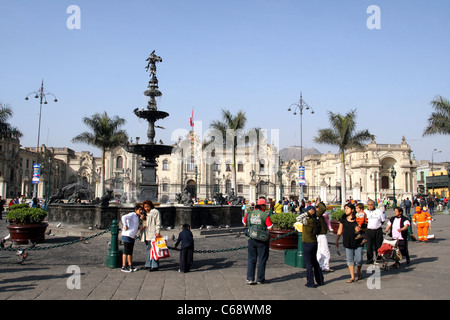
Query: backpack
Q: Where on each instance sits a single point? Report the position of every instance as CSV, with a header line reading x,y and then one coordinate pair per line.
x,y
257,231
317,225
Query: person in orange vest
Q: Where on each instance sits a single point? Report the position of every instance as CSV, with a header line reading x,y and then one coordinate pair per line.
x,y
422,220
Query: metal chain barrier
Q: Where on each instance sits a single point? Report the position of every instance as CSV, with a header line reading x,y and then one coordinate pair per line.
x,y
37,248
233,249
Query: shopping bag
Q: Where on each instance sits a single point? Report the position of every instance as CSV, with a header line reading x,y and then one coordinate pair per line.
x,y
159,249
430,236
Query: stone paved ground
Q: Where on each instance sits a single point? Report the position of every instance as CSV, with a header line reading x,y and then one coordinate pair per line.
x,y
216,276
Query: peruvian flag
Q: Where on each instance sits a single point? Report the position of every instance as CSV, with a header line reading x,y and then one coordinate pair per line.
x,y
191,120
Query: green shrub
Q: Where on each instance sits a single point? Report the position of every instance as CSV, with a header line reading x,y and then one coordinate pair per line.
x,y
283,221
337,214
25,215
18,206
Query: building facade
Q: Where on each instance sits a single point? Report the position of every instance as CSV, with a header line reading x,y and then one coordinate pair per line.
x,y
204,171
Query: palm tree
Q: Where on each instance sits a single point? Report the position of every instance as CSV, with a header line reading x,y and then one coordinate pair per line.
x,y
105,135
342,134
439,121
6,130
230,127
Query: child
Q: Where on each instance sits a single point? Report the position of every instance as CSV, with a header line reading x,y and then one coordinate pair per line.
x,y
131,227
361,220
187,248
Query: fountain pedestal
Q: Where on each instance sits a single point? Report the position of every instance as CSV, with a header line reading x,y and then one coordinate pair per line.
x,y
150,151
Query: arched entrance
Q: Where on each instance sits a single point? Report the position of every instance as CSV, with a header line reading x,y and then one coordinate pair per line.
x,y
191,187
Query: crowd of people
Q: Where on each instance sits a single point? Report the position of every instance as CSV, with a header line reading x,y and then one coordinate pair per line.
x,y
359,227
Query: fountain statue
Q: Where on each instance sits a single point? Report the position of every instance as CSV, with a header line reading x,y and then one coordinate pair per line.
x,y
150,150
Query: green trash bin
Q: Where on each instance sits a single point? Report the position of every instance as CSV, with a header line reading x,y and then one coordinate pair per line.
x,y
294,257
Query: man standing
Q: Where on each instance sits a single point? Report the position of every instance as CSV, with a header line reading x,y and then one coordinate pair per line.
x,y
422,220
407,206
374,233
258,223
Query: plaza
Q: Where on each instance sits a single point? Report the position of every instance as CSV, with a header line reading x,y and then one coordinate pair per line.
x,y
217,276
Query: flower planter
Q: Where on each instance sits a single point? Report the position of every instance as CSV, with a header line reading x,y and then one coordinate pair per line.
x,y
21,233
289,242
334,226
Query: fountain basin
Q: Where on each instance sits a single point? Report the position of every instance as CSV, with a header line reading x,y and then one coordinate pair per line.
x,y
88,215
149,150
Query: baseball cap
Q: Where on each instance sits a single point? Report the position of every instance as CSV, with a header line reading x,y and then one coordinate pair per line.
x,y
261,202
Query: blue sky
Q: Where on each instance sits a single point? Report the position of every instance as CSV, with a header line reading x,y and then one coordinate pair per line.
x,y
247,55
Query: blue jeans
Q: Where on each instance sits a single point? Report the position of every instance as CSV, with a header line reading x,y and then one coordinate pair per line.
x,y
258,251
354,256
150,263
312,266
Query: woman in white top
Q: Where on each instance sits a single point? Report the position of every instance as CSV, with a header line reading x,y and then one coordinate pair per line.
x,y
152,229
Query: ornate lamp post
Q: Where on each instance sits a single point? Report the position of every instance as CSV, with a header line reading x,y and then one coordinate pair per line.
x,y
280,177
432,170
448,186
302,104
40,94
393,174
375,179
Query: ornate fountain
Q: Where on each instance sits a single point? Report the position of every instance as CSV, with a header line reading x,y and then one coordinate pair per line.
x,y
92,215
150,150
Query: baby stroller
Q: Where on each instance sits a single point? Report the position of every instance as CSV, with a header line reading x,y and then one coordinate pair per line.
x,y
389,251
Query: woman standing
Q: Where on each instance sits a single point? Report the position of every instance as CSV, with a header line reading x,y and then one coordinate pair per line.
x,y
152,229
311,228
348,228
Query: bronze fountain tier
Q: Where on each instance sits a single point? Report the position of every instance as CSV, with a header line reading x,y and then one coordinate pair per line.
x,y
150,151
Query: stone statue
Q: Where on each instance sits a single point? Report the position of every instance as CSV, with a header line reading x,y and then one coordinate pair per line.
x,y
220,200
186,199
104,201
57,197
152,59
124,198
232,198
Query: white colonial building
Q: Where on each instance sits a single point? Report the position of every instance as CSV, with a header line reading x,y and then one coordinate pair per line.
x,y
204,171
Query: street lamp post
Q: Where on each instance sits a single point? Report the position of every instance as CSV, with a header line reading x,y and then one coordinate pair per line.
x,y
280,176
432,170
302,104
448,186
375,178
393,174
40,94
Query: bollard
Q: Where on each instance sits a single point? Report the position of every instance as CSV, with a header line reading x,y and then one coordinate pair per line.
x,y
114,256
294,257
409,227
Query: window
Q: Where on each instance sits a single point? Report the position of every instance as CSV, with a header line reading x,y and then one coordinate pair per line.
x,y
240,188
293,186
240,167
384,182
227,186
165,187
119,162
216,166
166,165
261,166
228,167
190,164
